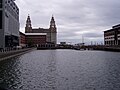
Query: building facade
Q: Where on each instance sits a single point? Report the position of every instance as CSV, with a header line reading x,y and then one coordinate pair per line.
x,y
35,39
22,40
9,24
51,32
38,36
112,36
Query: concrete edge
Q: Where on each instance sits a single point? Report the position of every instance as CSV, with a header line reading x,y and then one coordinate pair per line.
x,y
18,54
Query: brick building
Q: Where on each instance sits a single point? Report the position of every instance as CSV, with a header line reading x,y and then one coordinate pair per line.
x,y
34,39
22,39
38,36
51,32
112,36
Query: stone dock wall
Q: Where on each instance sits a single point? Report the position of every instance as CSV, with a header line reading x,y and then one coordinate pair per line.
x,y
13,53
115,49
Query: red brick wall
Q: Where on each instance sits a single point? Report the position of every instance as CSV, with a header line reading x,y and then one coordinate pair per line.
x,y
36,39
22,38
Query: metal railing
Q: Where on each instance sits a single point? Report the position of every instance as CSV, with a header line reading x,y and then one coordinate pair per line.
x,y
8,49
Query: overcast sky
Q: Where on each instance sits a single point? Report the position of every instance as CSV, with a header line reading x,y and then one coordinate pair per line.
x,y
74,18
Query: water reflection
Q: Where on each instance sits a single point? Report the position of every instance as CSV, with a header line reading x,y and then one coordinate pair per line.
x,y
62,70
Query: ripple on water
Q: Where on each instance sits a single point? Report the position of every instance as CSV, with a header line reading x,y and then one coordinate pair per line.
x,y
62,70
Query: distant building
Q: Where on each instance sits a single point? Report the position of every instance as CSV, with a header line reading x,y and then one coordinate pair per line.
x,y
37,36
51,32
9,24
112,36
63,43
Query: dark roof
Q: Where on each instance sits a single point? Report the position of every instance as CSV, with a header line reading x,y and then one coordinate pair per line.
x,y
40,30
116,26
113,29
109,30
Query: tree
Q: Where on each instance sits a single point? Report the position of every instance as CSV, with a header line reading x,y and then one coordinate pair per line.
x,y
30,42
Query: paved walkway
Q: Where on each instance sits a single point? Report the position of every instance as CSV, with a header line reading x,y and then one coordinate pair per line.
x,y
9,54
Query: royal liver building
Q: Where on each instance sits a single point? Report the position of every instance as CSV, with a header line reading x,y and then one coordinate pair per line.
x,y
51,32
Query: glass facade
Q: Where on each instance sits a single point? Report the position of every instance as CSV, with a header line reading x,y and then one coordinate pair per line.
x,y
11,40
0,19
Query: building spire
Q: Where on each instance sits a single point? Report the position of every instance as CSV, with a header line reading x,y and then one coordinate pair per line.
x,y
28,22
52,19
52,23
53,31
28,27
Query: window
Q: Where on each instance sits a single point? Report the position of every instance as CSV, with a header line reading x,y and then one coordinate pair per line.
x,y
0,3
8,1
0,19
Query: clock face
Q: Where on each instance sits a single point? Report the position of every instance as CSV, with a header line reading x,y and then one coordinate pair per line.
x,y
29,26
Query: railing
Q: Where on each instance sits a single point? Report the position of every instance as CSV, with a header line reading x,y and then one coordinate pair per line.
x,y
8,49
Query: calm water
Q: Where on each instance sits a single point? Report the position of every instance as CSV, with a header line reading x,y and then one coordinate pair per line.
x,y
62,70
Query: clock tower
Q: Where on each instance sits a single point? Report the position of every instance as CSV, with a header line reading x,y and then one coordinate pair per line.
x,y
53,31
28,27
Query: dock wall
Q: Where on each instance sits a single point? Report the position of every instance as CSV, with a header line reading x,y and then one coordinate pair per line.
x,y
10,54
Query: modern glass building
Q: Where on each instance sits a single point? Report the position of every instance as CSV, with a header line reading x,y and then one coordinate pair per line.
x,y
9,24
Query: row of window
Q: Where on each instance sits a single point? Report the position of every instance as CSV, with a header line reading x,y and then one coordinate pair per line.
x,y
13,5
38,38
33,41
13,13
108,34
41,37
109,42
109,37
36,41
112,42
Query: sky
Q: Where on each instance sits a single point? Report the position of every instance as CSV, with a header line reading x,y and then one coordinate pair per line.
x,y
76,20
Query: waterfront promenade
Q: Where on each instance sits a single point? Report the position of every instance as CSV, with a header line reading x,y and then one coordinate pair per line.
x,y
5,54
84,47
8,53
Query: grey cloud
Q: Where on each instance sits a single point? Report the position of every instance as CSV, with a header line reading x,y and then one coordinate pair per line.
x,y
73,17
93,35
